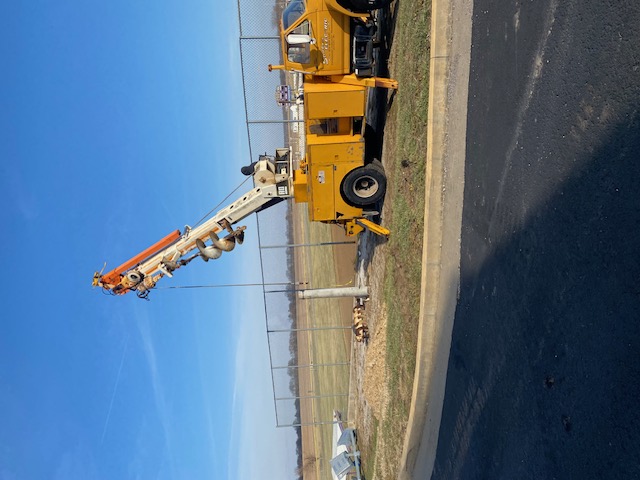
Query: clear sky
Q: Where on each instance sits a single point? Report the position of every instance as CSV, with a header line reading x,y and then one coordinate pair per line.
x,y
121,121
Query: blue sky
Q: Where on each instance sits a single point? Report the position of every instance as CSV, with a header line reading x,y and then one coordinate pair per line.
x,y
121,121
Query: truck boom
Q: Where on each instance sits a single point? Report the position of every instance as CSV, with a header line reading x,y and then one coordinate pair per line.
x,y
273,182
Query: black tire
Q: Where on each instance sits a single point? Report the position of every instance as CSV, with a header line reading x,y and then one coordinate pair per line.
x,y
364,186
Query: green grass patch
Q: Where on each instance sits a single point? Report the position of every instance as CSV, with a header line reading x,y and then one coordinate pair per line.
x,y
405,163
368,452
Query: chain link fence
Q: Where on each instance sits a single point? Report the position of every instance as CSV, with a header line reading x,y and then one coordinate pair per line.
x,y
297,332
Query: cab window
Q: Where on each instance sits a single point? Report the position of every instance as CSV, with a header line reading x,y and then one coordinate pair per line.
x,y
292,13
302,29
299,52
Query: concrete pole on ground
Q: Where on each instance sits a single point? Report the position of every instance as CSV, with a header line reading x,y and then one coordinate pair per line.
x,y
356,292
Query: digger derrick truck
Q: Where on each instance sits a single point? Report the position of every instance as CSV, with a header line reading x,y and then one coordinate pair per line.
x,y
331,42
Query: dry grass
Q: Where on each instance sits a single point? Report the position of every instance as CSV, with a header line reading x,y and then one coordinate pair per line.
x,y
325,346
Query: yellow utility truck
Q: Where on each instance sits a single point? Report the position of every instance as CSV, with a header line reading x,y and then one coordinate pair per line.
x,y
331,43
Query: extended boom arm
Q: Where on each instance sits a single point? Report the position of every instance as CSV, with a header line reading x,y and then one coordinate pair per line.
x,y
272,182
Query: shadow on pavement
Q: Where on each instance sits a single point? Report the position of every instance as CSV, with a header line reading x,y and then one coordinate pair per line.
x,y
544,370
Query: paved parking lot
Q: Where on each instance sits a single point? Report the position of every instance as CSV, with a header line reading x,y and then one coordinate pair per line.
x,y
544,372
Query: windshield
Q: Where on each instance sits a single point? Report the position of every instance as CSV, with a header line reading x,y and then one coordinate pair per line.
x,y
292,13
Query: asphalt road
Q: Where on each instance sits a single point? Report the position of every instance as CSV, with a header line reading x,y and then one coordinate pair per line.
x,y
544,373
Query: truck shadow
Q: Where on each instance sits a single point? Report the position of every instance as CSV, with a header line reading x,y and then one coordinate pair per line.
x,y
380,99
543,374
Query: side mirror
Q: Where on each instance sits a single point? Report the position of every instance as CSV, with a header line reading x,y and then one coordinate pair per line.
x,y
300,39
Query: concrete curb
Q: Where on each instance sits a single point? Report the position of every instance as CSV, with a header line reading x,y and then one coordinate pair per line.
x,y
444,188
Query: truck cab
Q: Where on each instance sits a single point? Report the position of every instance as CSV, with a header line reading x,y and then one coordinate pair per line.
x,y
323,37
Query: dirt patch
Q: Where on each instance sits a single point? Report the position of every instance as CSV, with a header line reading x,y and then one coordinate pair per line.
x,y
374,386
